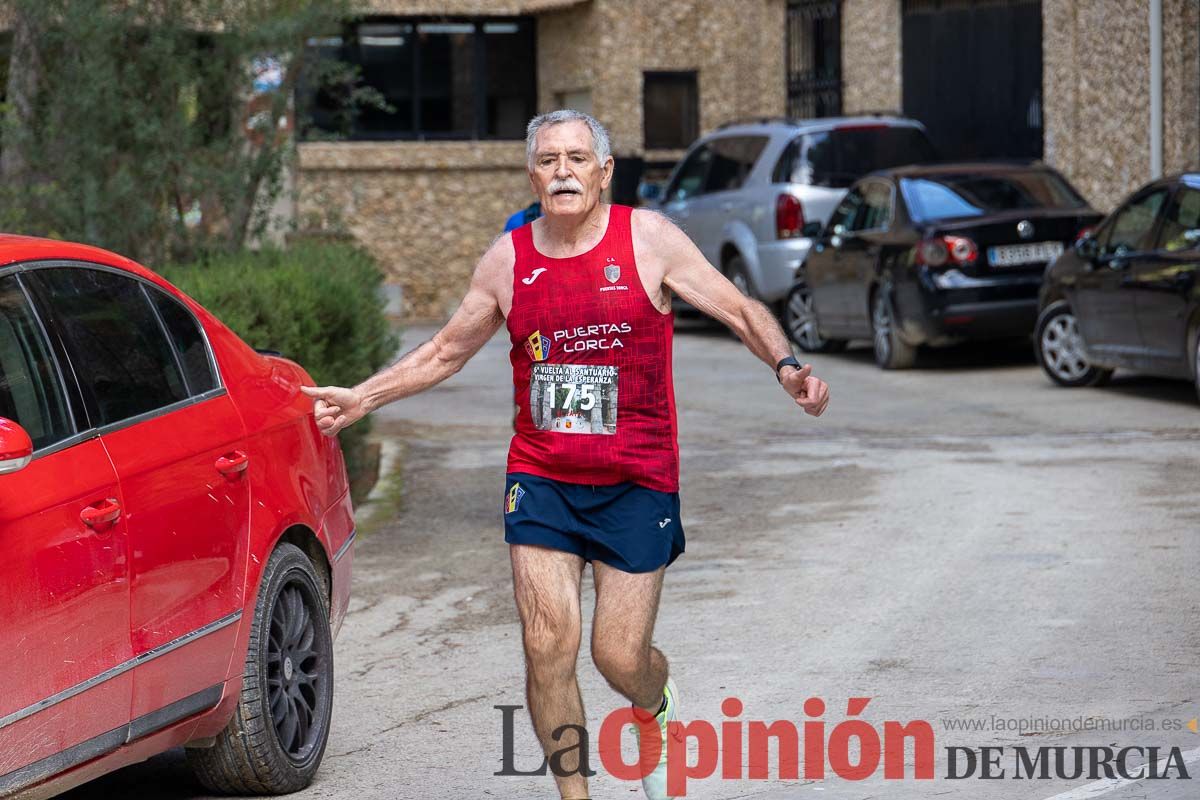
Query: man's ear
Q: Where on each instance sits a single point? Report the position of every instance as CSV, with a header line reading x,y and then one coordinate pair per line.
x,y
608,173
532,184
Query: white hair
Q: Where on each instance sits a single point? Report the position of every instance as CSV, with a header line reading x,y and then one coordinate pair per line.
x,y
600,145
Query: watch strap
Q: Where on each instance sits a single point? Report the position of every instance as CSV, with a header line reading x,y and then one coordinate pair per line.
x,y
790,361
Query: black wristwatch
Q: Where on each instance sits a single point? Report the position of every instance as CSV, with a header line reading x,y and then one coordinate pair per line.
x,y
790,361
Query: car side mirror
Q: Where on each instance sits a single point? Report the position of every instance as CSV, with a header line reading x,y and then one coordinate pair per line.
x,y
811,229
16,448
1087,248
649,192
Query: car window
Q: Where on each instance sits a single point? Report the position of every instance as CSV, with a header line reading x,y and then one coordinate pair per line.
x,y
1181,224
31,393
1129,228
847,210
876,209
188,341
732,159
689,181
956,195
118,348
841,156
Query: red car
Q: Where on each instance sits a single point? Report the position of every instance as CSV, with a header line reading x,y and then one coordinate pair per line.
x,y
177,535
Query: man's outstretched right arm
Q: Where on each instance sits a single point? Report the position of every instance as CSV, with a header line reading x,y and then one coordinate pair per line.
x,y
478,317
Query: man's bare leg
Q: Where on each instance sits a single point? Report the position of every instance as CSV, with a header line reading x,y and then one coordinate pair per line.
x,y
626,608
546,587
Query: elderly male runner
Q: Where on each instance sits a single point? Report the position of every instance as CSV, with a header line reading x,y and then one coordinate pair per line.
x,y
593,469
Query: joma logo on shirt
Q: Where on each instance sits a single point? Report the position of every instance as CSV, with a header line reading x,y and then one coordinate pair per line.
x,y
592,337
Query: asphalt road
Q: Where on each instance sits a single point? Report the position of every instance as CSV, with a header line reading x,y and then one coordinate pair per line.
x,y
963,543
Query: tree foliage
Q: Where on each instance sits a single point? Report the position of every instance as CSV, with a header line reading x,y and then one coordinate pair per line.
x,y
151,127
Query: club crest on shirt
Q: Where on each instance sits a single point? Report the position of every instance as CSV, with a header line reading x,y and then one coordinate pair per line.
x,y
537,346
512,500
612,272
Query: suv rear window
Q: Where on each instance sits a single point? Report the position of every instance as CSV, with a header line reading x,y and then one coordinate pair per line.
x,y
838,157
933,197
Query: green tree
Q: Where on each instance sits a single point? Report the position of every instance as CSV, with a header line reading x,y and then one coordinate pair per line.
x,y
151,127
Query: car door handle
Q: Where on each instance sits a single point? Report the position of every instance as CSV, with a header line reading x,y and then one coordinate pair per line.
x,y
232,464
102,512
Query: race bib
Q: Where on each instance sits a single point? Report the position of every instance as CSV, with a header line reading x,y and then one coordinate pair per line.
x,y
574,398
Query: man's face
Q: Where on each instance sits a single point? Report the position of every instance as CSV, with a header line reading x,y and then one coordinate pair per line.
x,y
565,174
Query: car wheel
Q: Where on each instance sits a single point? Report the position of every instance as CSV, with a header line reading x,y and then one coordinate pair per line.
x,y
276,738
735,270
800,322
1060,350
891,352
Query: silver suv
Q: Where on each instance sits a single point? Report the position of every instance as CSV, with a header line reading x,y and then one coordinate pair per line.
x,y
752,194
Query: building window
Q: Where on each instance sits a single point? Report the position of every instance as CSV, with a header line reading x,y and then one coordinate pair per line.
x,y
670,111
814,58
444,78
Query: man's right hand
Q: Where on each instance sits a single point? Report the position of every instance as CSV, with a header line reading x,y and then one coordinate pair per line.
x,y
335,407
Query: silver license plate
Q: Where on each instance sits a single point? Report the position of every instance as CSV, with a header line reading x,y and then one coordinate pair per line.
x,y
1013,255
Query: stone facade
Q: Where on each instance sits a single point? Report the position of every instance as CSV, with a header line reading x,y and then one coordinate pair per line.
x,y
1096,80
427,211
871,56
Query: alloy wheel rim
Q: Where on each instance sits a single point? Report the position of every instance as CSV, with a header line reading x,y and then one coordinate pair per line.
x,y
882,320
803,320
295,674
1062,348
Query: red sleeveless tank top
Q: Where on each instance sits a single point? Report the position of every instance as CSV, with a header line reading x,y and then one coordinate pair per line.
x,y
591,359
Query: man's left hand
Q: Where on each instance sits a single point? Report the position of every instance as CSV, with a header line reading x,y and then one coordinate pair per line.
x,y
810,393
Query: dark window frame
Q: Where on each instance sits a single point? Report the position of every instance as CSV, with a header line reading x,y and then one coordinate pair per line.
x,y
689,129
305,97
813,58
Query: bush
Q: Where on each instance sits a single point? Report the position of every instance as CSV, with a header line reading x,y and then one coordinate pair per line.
x,y
317,303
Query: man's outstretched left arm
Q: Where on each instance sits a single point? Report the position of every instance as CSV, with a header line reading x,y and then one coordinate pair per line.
x,y
687,272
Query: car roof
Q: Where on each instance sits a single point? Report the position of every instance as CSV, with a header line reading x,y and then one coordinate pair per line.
x,y
958,168
15,249
769,125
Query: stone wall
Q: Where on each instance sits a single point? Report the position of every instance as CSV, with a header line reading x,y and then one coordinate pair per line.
x,y
427,211
1096,79
871,56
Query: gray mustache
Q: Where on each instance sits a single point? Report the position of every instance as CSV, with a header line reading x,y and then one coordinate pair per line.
x,y
567,185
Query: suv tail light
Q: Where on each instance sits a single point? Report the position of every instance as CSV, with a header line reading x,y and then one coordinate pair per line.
x,y
789,217
1085,231
942,250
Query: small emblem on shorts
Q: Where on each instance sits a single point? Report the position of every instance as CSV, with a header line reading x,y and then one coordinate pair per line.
x,y
663,524
612,272
513,500
537,346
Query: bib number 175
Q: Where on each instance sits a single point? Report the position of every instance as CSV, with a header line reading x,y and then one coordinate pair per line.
x,y
586,392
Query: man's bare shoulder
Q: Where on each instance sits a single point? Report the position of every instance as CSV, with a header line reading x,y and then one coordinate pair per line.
x,y
648,224
495,267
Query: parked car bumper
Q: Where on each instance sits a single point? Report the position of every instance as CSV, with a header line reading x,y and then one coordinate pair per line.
x,y
777,265
948,307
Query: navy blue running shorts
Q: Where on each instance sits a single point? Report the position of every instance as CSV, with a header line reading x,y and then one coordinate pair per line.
x,y
627,526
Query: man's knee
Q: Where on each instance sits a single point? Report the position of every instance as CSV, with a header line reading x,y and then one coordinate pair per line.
x,y
551,646
620,662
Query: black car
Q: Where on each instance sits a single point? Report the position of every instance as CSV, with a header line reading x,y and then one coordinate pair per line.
x,y
934,255
1126,296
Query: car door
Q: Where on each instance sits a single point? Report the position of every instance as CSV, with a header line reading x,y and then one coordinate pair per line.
x,y
686,185
1104,294
859,255
1165,283
64,596
825,269
177,443
723,199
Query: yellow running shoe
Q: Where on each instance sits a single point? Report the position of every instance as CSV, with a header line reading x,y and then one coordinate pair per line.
x,y
655,784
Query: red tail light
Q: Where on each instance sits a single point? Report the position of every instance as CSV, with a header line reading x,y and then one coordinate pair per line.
x,y
942,250
1087,230
789,217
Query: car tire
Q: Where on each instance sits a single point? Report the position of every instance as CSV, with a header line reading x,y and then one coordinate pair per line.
x,y
1059,349
800,322
276,738
891,352
739,276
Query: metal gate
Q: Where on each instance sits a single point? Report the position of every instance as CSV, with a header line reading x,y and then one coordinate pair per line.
x,y
972,72
814,58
